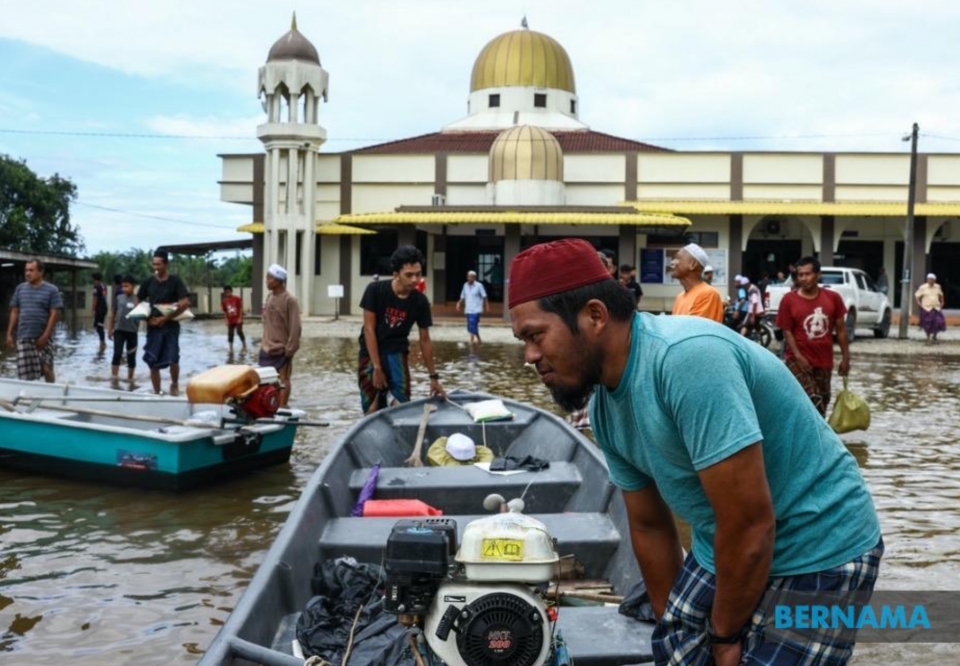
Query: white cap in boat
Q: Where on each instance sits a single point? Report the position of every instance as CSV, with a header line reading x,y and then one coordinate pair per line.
x,y
461,447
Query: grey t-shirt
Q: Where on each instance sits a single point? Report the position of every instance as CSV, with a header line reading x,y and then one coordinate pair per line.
x,y
35,304
124,304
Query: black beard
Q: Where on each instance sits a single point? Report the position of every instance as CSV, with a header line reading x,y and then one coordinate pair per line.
x,y
576,397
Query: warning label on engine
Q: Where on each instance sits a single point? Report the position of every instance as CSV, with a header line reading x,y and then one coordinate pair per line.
x,y
510,550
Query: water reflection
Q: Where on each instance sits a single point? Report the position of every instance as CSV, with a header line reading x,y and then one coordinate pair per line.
x,y
96,575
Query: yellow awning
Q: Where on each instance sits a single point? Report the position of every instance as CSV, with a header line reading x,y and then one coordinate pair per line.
x,y
515,217
335,229
325,228
773,207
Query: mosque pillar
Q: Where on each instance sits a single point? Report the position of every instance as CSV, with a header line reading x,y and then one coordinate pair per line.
x,y
735,258
827,225
256,275
511,248
307,259
627,249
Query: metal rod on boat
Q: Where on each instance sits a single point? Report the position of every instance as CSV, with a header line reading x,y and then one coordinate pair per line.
x,y
261,655
83,398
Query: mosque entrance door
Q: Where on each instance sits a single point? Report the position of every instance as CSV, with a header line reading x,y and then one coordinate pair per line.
x,y
483,254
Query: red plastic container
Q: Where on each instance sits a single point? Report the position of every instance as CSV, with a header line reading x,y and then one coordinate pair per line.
x,y
398,508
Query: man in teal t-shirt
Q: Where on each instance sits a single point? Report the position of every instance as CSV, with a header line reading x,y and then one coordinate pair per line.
x,y
698,422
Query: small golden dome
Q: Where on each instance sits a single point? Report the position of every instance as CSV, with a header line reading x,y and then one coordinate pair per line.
x,y
523,58
525,153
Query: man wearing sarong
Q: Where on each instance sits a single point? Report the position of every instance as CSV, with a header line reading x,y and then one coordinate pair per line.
x,y
808,317
930,300
754,470
281,329
390,309
34,310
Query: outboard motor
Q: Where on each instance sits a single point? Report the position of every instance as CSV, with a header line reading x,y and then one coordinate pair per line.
x,y
253,393
487,605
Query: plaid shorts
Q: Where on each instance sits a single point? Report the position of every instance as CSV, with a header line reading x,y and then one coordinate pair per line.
x,y
680,638
31,361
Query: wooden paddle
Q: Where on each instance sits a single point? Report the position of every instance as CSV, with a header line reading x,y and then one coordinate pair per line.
x,y
414,460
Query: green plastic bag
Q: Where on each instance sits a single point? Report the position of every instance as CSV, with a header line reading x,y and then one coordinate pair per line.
x,y
850,412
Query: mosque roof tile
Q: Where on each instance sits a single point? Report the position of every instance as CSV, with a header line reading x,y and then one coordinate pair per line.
x,y
480,142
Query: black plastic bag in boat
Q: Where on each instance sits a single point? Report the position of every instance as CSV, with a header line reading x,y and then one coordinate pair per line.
x,y
348,591
636,604
509,463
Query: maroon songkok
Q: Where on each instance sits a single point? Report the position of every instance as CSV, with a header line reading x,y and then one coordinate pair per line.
x,y
552,268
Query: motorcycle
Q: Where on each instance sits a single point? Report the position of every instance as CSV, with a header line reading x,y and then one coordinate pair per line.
x,y
761,332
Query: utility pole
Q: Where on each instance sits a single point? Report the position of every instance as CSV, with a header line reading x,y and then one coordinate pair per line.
x,y
906,295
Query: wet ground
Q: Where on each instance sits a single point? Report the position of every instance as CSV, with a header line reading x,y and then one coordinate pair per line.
x,y
92,575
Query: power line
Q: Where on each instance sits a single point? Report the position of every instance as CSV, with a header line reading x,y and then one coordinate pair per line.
x,y
229,137
939,136
150,217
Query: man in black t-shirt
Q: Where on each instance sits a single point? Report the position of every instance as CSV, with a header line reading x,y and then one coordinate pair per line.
x,y
390,309
163,332
630,283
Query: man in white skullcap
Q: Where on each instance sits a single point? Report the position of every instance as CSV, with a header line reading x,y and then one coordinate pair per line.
x,y
281,329
930,299
708,275
698,299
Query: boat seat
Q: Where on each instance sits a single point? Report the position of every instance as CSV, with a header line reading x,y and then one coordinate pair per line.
x,y
461,490
590,537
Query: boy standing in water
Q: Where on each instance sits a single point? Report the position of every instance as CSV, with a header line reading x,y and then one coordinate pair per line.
x,y
123,330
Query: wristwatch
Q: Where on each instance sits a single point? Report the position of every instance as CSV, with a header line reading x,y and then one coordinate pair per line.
x,y
729,639
434,376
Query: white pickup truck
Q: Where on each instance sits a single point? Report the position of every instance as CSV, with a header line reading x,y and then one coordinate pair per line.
x,y
867,306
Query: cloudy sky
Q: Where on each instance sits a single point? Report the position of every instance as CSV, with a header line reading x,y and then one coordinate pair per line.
x,y
133,100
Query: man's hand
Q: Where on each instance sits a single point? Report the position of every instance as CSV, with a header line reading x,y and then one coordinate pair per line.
x,y
844,367
458,306
42,341
727,654
379,379
10,340
157,321
436,389
803,362
110,334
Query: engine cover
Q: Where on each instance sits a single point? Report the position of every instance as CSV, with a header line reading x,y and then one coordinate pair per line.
x,y
488,625
262,403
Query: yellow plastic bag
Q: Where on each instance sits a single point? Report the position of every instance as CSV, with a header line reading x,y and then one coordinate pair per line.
x,y
850,412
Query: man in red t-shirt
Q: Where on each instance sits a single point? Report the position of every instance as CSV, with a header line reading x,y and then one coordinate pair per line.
x,y
233,309
808,317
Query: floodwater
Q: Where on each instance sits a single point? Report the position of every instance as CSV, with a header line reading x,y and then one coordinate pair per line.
x,y
92,575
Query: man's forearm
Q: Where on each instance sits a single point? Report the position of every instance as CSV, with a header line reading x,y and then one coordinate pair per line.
x,y
51,323
426,347
660,557
743,558
373,345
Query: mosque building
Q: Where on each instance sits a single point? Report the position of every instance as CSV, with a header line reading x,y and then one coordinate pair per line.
x,y
521,168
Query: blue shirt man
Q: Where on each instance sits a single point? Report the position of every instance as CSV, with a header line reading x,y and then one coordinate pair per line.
x,y
774,499
473,298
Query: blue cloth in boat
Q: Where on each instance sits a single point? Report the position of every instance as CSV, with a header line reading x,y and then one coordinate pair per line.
x,y
680,637
163,346
694,393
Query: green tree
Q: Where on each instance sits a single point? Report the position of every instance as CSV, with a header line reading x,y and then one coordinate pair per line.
x,y
237,271
35,212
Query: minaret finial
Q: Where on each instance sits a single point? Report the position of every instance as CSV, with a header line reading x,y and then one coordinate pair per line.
x,y
523,23
293,21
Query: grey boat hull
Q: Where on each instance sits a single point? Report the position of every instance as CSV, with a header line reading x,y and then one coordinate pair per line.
x,y
573,497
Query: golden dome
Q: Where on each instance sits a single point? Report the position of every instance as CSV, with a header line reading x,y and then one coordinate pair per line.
x,y
525,153
523,58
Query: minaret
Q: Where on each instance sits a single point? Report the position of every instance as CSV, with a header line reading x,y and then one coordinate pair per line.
x,y
291,84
